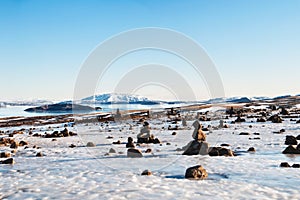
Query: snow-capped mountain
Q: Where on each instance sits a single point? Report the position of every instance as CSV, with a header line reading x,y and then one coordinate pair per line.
x,y
113,98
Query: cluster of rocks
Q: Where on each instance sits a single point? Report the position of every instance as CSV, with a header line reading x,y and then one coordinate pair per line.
x,y
145,137
285,164
56,134
292,142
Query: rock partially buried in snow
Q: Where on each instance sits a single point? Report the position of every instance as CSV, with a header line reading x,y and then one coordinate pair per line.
x,y
284,164
9,161
134,153
146,173
5,154
90,144
196,172
39,154
112,150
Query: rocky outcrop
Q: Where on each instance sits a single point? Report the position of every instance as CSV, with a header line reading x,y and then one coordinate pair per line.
x,y
196,172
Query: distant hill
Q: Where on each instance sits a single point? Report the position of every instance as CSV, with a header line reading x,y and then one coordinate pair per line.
x,y
61,107
118,99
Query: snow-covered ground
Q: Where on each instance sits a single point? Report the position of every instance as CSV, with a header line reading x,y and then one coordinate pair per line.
x,y
90,173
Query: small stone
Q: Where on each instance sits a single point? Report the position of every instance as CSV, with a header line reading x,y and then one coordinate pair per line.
x,y
112,150
244,133
117,142
39,154
196,172
90,144
148,151
146,173
53,140
14,145
72,146
174,133
168,143
251,149
23,143
284,164
296,165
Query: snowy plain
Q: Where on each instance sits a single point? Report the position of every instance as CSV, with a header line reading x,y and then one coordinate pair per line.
x,y
93,173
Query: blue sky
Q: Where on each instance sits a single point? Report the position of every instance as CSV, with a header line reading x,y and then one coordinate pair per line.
x,y
255,44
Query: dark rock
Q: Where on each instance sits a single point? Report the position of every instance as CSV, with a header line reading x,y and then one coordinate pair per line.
x,y
174,133
39,154
284,164
8,161
284,111
298,137
291,150
196,147
251,149
298,122
168,143
14,145
196,172
112,150
225,152
296,165
134,153
290,140
117,142
148,151
90,144
262,119
244,133
239,119
213,151
23,143
5,154
256,133
275,119
146,173
225,145
72,146
282,130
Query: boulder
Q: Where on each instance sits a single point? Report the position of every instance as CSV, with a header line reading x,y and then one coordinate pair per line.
x,y
14,145
112,150
296,165
195,148
146,173
298,137
220,151
290,140
262,119
134,153
8,161
130,143
251,149
239,119
39,154
244,133
291,150
275,119
5,154
196,172
23,143
90,144
284,164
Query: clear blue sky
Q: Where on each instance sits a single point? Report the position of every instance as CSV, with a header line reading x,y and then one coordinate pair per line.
x,y
255,44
